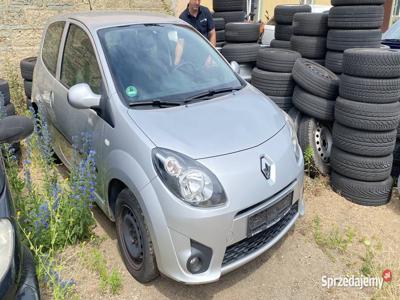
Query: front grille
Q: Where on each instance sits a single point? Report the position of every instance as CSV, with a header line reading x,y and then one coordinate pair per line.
x,y
250,245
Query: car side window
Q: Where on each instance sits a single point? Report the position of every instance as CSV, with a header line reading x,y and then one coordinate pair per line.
x,y
79,64
51,46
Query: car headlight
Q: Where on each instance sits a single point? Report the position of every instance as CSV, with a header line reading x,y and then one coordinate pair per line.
x,y
6,246
187,179
293,136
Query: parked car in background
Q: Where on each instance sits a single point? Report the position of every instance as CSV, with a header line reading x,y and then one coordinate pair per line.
x,y
200,171
391,37
17,269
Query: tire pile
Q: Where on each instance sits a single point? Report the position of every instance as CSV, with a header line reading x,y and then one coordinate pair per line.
x,y
241,42
353,24
229,10
367,115
220,30
309,35
284,18
27,65
273,75
314,96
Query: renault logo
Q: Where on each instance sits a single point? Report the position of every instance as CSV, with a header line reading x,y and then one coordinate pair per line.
x,y
265,168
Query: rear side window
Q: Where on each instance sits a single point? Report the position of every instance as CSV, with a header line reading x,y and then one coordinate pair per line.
x,y
51,45
79,63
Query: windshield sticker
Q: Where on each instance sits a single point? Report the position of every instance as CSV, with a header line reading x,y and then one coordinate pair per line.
x,y
131,91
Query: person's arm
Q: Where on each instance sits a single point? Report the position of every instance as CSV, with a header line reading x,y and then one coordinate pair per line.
x,y
212,36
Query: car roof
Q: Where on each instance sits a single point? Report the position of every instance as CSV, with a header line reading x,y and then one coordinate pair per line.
x,y
95,20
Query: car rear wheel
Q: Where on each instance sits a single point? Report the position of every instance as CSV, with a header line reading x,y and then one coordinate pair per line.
x,y
134,238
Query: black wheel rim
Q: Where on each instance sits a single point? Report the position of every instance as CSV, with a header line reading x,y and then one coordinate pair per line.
x,y
132,238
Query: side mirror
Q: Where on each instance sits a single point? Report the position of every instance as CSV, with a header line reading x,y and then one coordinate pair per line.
x,y
15,128
81,96
235,66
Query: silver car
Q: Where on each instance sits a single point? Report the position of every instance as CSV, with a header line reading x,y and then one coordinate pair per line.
x,y
199,170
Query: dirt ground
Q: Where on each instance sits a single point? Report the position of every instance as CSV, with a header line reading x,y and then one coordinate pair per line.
x,y
291,269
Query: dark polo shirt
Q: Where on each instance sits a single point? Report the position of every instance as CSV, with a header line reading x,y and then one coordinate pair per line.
x,y
204,22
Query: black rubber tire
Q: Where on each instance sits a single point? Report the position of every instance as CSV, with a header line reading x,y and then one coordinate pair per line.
x,y
308,129
220,44
367,116
278,44
334,61
313,47
220,36
147,270
296,116
313,106
342,39
242,32
4,92
28,88
241,53
219,24
311,24
284,13
372,63
27,65
361,192
398,131
284,103
369,90
231,16
366,143
357,2
319,61
228,5
396,160
272,83
283,32
277,60
356,17
363,168
316,79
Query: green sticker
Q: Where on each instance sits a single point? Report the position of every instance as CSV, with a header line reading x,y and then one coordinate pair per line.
x,y
131,91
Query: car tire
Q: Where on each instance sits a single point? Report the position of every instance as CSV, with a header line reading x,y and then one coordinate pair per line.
x,y
369,90
342,39
361,192
283,32
242,32
219,24
296,116
274,60
316,79
313,106
372,63
315,134
27,65
365,143
4,92
356,17
367,116
272,83
310,24
28,88
396,160
9,110
284,13
138,256
278,44
220,35
357,2
334,61
313,47
241,53
228,5
230,16
319,61
284,103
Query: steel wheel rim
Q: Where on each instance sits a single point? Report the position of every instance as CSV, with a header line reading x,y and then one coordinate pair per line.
x,y
323,142
132,238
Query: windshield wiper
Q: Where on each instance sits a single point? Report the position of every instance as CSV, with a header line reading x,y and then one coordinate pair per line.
x,y
210,93
155,102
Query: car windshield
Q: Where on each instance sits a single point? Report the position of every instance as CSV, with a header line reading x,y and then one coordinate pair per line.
x,y
163,62
393,33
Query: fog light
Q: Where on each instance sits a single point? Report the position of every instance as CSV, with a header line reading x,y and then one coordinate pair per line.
x,y
195,264
200,258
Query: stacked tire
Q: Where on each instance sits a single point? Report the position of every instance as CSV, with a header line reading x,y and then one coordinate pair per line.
x,y
309,35
367,116
352,24
229,10
220,31
284,18
314,96
27,66
273,75
241,42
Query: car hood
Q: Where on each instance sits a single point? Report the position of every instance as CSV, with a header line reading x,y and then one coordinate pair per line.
x,y
227,124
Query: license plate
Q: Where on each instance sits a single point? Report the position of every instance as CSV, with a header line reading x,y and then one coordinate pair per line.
x,y
270,216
